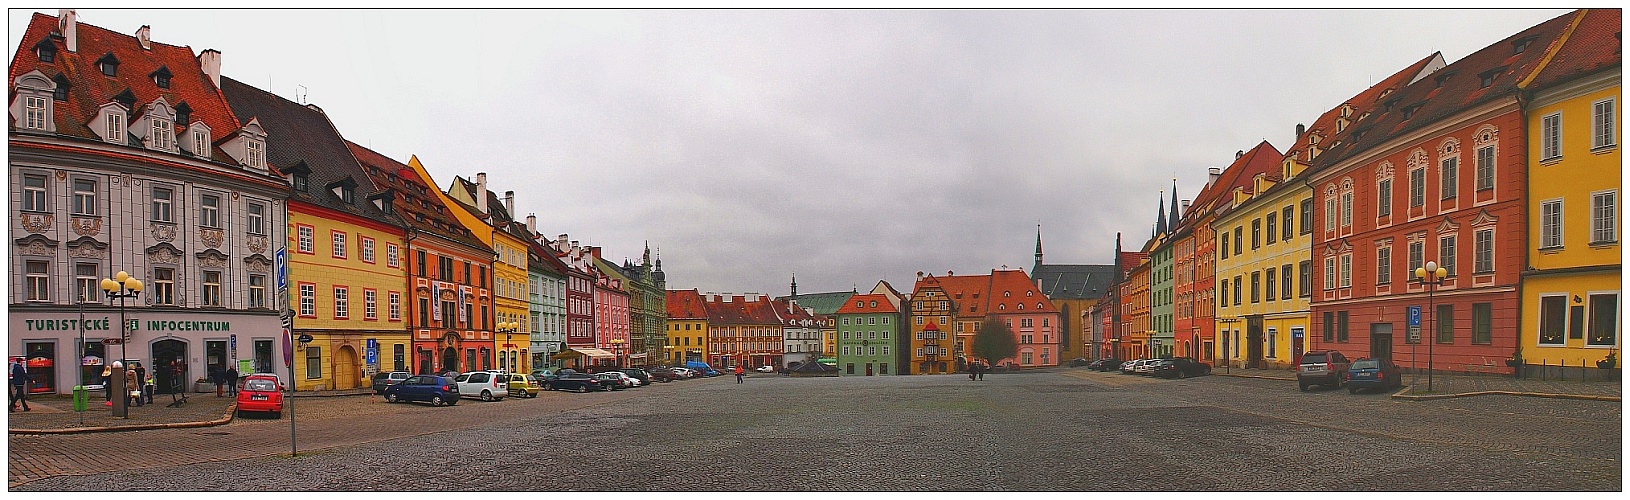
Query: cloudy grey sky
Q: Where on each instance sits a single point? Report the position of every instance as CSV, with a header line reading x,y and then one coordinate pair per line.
x,y
844,146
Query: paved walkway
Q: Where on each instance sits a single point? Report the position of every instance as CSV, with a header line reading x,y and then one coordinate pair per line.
x,y
1467,385
54,414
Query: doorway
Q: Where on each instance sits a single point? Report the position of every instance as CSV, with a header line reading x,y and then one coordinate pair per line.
x,y
449,359
1296,335
345,368
263,356
1381,340
1253,342
172,355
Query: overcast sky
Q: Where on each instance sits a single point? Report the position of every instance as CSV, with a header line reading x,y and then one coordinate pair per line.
x,y
844,146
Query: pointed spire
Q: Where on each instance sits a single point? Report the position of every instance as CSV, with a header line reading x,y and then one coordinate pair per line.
x,y
795,286
1038,248
1174,216
1160,215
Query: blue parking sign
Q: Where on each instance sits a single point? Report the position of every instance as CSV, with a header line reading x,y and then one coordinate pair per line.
x,y
280,260
1414,315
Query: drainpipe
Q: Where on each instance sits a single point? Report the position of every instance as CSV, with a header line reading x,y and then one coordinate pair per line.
x,y
1524,99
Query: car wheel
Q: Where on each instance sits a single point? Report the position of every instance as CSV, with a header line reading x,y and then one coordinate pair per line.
x,y
486,395
1352,390
548,387
392,398
1302,385
1206,371
1181,374
437,400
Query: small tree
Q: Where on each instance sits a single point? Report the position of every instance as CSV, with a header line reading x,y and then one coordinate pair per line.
x,y
994,342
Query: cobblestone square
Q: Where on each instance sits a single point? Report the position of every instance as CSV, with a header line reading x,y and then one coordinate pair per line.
x,y
1047,430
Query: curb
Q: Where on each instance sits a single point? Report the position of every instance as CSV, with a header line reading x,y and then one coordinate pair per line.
x,y
310,395
1428,397
225,419
1264,377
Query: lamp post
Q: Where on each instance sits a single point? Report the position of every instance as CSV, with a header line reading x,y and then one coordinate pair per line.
x,y
617,350
1431,276
1227,338
505,357
122,286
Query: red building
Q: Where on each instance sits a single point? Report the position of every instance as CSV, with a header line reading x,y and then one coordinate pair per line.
x,y
743,330
580,280
1435,173
450,304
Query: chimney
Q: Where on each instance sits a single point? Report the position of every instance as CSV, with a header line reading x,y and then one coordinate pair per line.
x,y
1186,205
509,203
1238,154
210,61
1213,174
480,193
532,223
144,35
68,25
752,297
560,242
1299,130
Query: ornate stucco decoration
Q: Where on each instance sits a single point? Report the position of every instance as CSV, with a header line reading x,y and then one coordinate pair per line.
x,y
212,237
36,245
257,264
211,258
164,253
87,247
162,231
257,243
86,226
36,223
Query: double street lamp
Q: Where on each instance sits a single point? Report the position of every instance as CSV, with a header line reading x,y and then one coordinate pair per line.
x,y
506,356
1432,277
122,286
1228,324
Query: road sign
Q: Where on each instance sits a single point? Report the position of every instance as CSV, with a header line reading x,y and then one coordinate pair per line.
x,y
281,260
1415,316
112,341
373,355
288,347
233,342
1414,334
305,338
373,344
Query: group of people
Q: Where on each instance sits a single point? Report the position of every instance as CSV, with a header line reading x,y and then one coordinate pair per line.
x,y
138,389
226,376
977,369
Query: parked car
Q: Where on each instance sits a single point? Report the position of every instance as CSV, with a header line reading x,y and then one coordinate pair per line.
x,y
384,379
702,369
567,380
1181,368
764,369
614,380
685,373
662,374
1322,368
436,389
1144,366
1373,373
638,374
1106,364
261,392
486,386
543,374
524,386
1126,367
1080,362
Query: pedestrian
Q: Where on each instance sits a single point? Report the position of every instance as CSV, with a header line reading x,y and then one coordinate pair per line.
x,y
19,385
132,390
147,387
973,370
232,380
141,374
738,374
107,384
982,369
215,375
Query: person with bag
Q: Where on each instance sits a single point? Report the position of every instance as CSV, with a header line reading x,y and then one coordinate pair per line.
x,y
19,385
132,390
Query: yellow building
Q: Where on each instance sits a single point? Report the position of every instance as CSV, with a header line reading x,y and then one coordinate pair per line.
x,y
1263,257
1570,303
687,328
494,223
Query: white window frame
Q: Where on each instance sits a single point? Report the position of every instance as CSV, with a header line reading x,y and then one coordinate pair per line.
x,y
370,303
255,218
35,109
209,213
38,280
34,197
306,236
1330,210
1618,313
84,202
1550,223
255,153
115,125
1602,123
1415,255
200,142
1346,271
163,205
210,292
1383,264
1346,208
164,287
1383,195
1330,272
1486,167
163,137
394,304
1550,136
86,284
308,299
367,249
1479,247
1448,248
338,249
1449,177
257,292
1539,318
1417,187
1604,220
342,302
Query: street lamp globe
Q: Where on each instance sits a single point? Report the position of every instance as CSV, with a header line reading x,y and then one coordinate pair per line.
x,y
133,284
121,277
109,285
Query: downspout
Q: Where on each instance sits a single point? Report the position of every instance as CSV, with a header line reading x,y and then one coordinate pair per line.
x,y
1309,335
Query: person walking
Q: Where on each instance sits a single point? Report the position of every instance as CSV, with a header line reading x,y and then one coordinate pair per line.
x,y
107,384
982,369
215,375
232,380
147,386
132,390
141,376
739,371
19,385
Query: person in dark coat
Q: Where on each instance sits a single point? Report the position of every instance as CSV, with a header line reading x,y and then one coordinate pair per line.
x,y
141,375
216,374
19,385
232,380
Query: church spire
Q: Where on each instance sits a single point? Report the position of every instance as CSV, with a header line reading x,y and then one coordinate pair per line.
x,y
1160,214
1038,248
794,286
1174,215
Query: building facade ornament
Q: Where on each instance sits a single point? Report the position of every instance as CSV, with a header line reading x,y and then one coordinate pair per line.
x,y
211,237
86,226
36,223
162,231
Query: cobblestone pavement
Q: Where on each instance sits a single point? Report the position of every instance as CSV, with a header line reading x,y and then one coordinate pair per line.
x,y
1461,384
1061,429
56,412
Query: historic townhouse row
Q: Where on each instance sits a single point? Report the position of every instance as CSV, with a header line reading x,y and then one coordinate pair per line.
x,y
136,156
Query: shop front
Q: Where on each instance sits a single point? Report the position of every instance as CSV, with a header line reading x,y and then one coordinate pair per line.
x,y
184,346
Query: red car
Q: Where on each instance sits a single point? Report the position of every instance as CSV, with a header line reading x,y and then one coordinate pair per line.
x,y
261,392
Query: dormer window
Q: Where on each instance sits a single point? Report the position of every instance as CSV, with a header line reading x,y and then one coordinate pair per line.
x,y
34,111
1410,111
61,93
161,77
1488,77
256,154
46,51
348,195
113,124
1517,46
33,91
108,64
200,141
183,114
163,137
300,182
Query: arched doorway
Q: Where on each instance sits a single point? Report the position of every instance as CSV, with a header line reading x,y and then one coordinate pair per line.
x,y
345,368
449,352
171,356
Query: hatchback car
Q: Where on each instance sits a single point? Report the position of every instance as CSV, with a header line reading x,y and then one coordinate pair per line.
x,y
638,374
486,386
1322,368
573,381
764,369
614,380
1373,373
684,373
385,379
662,374
436,389
261,392
1181,368
524,386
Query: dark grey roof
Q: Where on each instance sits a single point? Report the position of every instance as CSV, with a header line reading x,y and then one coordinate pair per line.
x,y
297,134
1074,281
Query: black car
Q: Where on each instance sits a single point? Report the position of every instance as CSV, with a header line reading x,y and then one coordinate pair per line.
x,y
1080,362
1180,368
573,381
1104,365
644,378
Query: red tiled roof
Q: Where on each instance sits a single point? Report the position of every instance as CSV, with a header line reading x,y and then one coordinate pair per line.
x,y
89,89
1263,158
685,304
741,312
1593,46
1014,291
862,304
1451,90
415,201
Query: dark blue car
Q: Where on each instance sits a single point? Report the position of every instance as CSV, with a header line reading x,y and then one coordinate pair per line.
x,y
574,381
1373,373
436,389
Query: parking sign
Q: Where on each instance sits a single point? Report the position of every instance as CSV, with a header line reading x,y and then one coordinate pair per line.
x,y
281,260
1414,315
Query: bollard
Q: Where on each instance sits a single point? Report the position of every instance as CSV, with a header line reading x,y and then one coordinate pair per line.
x,y
80,397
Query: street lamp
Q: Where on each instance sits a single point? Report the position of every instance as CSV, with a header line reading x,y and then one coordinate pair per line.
x,y
122,286
506,357
1227,337
1432,277
617,349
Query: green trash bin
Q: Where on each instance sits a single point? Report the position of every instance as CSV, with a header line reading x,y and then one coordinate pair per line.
x,y
80,397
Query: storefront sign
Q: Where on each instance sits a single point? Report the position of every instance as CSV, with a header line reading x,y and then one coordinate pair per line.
x,y
72,324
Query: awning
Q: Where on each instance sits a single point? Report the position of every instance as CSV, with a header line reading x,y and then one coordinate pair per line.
x,y
591,352
637,355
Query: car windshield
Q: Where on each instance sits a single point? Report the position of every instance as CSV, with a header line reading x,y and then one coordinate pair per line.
x,y
1313,358
1367,363
259,385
